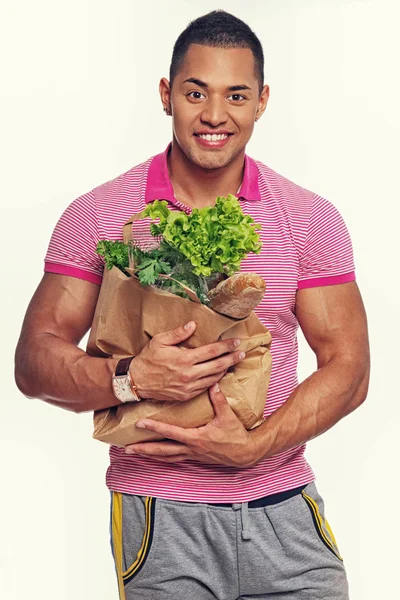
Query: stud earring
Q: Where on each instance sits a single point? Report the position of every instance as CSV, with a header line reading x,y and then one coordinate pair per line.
x,y
167,111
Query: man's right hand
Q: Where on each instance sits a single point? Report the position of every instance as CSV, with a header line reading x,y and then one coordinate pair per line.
x,y
164,371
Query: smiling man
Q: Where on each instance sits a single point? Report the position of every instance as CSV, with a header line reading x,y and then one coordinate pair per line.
x,y
214,512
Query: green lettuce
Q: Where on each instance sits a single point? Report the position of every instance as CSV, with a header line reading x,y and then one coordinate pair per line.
x,y
215,239
192,248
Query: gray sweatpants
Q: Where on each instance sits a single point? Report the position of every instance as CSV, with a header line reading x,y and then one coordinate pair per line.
x,y
167,550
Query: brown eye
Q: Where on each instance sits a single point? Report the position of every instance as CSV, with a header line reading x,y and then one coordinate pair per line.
x,y
196,95
237,97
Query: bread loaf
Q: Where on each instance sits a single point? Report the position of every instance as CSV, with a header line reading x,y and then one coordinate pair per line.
x,y
238,295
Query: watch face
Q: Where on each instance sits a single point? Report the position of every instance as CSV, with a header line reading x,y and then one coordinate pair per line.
x,y
122,388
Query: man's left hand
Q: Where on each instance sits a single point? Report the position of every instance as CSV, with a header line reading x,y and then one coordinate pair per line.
x,y
223,441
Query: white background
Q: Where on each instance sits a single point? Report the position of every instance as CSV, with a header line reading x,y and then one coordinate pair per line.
x,y
79,105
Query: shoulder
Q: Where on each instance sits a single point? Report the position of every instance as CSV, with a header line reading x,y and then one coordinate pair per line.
x,y
296,203
281,190
125,188
130,184
309,219
112,203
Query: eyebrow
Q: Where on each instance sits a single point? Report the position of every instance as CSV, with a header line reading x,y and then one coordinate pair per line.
x,y
232,88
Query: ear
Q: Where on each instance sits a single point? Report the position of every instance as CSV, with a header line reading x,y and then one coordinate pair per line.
x,y
165,93
262,102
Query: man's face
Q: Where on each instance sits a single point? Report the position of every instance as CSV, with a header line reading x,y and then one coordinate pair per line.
x,y
215,99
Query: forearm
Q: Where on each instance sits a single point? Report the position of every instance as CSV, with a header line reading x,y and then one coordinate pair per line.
x,y
58,372
319,402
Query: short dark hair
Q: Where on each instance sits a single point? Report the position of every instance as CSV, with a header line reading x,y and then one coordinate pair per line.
x,y
218,29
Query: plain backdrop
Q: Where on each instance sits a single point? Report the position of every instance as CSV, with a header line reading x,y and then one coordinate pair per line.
x,y
79,106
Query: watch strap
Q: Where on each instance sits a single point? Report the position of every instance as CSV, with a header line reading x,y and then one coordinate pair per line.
x,y
122,367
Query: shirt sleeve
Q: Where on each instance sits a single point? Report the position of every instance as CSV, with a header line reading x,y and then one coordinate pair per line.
x,y
327,257
72,247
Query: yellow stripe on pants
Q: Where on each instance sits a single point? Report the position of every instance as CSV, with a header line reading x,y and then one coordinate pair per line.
x,y
116,532
321,523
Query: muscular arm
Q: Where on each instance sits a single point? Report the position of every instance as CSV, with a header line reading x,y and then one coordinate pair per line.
x,y
50,366
334,323
48,363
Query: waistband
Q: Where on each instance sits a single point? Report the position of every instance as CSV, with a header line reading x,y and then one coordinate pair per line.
x,y
266,500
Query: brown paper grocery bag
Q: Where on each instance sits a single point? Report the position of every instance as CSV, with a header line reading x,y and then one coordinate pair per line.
x,y
128,315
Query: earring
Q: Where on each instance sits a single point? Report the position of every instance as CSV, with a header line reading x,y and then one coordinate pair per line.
x,y
256,119
167,111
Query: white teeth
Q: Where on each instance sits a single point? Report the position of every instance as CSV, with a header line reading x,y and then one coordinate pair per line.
x,y
214,137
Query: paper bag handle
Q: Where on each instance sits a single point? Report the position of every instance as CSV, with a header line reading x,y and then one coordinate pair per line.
x,y
127,229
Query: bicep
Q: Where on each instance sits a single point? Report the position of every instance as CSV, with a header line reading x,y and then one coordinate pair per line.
x,y
62,306
333,321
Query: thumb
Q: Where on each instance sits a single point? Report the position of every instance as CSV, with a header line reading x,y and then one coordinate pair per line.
x,y
176,336
219,401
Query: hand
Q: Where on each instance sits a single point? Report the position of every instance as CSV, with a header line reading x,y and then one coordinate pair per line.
x,y
223,441
163,371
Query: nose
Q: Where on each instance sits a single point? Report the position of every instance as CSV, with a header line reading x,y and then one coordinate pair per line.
x,y
214,112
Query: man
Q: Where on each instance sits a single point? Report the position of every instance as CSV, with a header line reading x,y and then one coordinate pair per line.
x,y
218,511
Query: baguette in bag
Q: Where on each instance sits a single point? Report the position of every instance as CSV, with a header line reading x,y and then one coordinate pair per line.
x,y
238,295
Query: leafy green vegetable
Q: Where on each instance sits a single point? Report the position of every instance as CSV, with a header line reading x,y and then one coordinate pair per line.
x,y
193,247
114,254
166,260
215,239
150,264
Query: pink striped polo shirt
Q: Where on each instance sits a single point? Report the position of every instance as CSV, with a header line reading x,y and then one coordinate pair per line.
x,y
305,244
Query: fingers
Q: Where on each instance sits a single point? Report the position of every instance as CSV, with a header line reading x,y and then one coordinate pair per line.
x,y
176,336
166,371
199,378
173,432
219,401
205,383
161,449
211,351
174,454
219,365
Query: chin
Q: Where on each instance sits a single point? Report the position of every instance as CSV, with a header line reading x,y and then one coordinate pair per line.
x,y
211,159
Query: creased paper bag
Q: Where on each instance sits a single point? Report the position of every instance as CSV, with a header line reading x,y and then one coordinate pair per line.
x,y
128,315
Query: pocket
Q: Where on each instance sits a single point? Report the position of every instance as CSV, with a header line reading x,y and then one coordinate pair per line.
x,y
322,526
147,540
126,572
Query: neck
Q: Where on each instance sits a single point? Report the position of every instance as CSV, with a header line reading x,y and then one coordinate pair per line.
x,y
196,187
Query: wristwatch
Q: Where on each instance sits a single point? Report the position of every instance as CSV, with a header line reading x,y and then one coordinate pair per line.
x,y
124,387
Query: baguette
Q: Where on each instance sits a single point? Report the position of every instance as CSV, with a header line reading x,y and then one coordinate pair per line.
x,y
238,295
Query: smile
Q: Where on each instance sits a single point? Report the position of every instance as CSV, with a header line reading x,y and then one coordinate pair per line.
x,y
213,138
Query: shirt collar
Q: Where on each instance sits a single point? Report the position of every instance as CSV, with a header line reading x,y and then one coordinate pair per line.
x,y
159,186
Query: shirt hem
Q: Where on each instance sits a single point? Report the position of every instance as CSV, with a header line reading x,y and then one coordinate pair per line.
x,y
50,267
323,281
204,497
